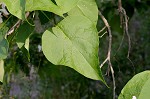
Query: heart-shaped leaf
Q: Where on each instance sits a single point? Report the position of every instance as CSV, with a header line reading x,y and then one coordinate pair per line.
x,y
74,43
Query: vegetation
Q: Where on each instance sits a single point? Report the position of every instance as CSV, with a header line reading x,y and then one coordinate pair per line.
x,y
59,49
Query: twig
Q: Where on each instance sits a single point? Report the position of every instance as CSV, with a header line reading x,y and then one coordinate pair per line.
x,y
13,27
120,8
102,64
121,24
103,34
109,53
124,24
127,32
16,25
102,29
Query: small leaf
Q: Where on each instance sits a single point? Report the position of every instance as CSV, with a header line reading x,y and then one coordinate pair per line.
x,y
138,86
1,70
23,33
22,38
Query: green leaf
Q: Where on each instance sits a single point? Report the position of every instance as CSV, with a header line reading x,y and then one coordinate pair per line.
x,y
61,6
74,43
22,38
138,86
3,44
1,70
16,7
23,33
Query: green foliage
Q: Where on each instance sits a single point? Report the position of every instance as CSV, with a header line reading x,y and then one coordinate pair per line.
x,y
137,87
63,33
73,42
59,8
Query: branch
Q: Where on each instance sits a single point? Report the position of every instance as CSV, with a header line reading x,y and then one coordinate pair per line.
x,y
109,52
102,29
16,25
110,39
124,24
120,10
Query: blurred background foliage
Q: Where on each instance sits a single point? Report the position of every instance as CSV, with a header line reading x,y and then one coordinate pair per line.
x,y
39,79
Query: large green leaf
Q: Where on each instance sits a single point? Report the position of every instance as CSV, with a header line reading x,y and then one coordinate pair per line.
x,y
16,7
138,86
74,41
1,70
